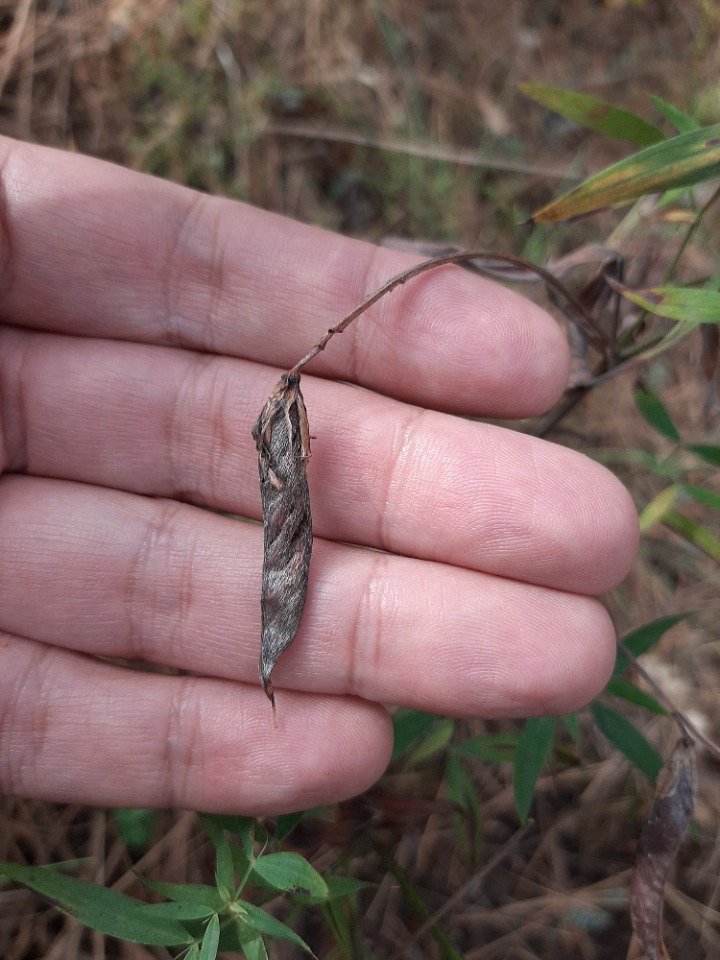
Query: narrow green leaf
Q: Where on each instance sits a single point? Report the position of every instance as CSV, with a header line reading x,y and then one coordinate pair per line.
x,y
459,786
338,888
189,893
678,162
710,453
533,750
437,739
491,747
594,113
409,727
686,304
462,793
682,122
178,910
262,922
290,872
642,639
243,827
100,908
627,739
658,508
253,945
694,532
286,823
135,826
571,722
626,690
224,869
211,939
655,412
706,497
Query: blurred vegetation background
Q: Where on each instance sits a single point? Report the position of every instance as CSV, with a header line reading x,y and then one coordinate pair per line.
x,y
380,118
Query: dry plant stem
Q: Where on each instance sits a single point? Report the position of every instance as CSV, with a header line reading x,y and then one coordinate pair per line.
x,y
581,316
684,724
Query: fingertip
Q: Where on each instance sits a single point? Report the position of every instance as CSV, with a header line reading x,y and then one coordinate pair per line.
x,y
322,750
487,350
551,673
609,520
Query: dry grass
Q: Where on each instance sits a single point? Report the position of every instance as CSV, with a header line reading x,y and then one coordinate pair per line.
x,y
225,95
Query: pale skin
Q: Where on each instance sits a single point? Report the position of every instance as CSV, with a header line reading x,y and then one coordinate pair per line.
x,y
143,327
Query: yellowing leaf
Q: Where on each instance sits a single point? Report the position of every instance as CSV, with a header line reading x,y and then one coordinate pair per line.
x,y
658,508
688,304
678,162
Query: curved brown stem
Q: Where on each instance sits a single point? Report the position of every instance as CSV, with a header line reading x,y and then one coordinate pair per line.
x,y
581,315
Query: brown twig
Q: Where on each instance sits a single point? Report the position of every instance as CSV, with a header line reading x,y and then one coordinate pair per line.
x,y
581,316
682,721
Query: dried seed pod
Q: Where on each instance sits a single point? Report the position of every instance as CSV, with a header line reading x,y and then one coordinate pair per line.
x,y
661,835
283,443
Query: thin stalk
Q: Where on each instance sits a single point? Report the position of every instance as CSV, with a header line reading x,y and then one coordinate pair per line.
x,y
681,719
581,316
690,233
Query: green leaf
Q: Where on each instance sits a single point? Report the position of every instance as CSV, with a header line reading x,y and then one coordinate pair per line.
x,y
262,922
189,893
439,737
626,690
706,451
253,945
694,532
211,939
678,162
491,747
178,910
104,910
655,412
292,873
644,638
248,829
627,739
224,869
338,888
533,750
409,727
682,122
571,723
286,823
596,114
706,497
460,788
135,826
688,305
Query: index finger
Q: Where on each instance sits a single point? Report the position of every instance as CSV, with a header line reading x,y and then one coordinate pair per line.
x,y
92,249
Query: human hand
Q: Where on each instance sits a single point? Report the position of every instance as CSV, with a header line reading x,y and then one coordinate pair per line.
x,y
144,325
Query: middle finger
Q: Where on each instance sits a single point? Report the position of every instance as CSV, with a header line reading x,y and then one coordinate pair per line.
x,y
173,423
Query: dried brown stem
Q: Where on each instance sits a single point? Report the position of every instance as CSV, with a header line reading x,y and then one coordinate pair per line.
x,y
684,724
580,316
